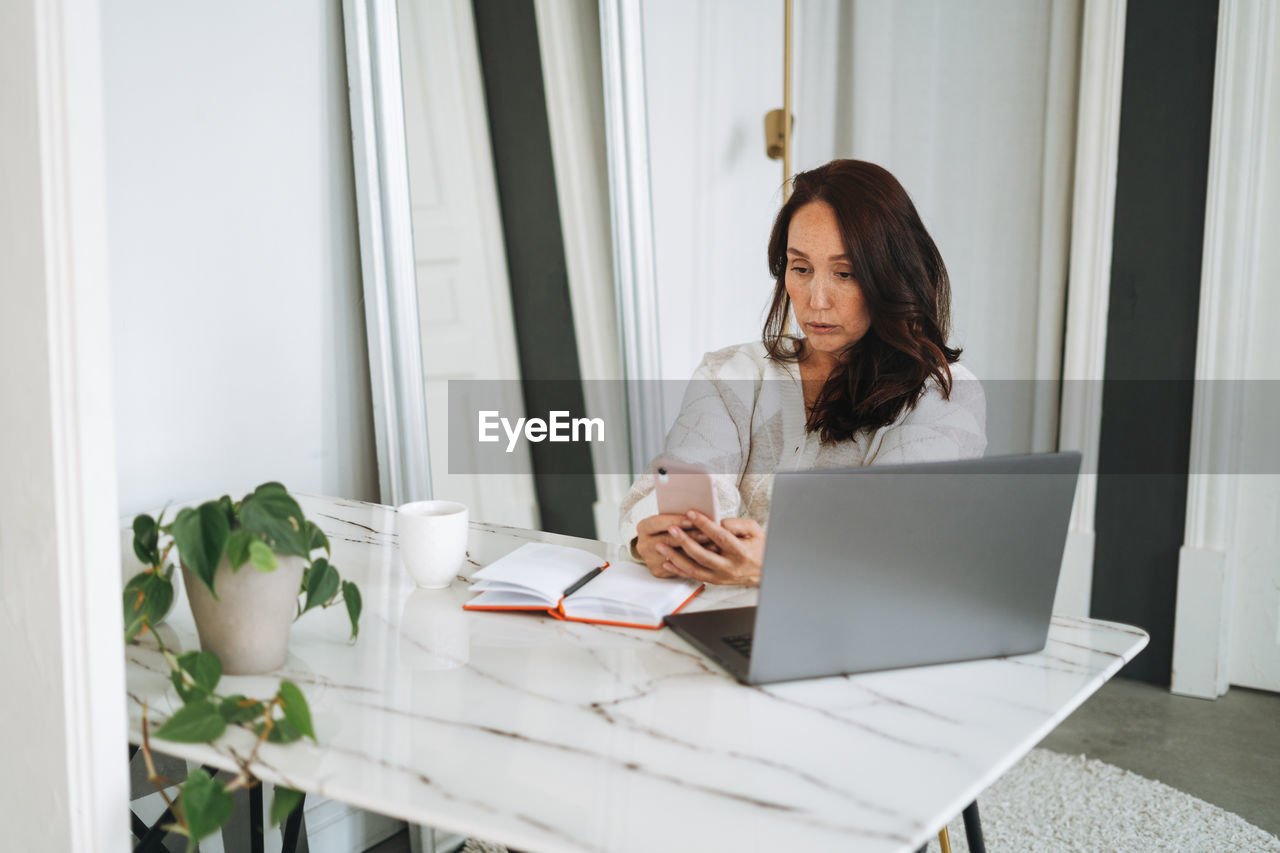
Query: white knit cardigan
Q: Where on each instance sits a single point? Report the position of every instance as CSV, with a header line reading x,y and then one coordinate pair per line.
x,y
743,419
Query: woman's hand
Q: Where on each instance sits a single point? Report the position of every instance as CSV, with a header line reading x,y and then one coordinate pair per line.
x,y
653,533
732,555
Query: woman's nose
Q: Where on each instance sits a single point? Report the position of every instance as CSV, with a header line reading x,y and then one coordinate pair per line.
x,y
821,295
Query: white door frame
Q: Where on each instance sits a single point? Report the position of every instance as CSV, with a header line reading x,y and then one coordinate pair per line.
x,y
1243,69
65,730
383,209
1089,283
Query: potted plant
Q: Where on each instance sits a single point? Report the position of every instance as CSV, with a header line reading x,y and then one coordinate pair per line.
x,y
241,615
249,571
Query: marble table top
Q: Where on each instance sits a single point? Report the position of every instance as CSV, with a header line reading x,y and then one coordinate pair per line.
x,y
558,736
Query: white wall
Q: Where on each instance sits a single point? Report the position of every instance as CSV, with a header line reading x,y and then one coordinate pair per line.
x,y
238,328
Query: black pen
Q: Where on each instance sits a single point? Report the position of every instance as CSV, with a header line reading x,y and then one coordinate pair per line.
x,y
582,581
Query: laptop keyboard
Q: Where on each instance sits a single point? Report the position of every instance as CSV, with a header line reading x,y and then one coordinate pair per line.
x,y
740,643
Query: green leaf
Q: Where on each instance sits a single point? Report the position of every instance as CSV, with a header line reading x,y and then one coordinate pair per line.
x,y
296,712
201,535
316,538
281,732
197,722
238,547
240,709
205,668
205,803
261,557
322,584
134,615
147,598
188,691
351,598
272,512
146,540
283,803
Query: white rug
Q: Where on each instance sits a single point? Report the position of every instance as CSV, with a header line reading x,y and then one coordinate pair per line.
x,y
1053,803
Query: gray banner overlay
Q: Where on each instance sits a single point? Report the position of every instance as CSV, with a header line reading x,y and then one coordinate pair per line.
x,y
491,432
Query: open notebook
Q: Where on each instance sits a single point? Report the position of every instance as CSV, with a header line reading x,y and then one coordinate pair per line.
x,y
570,583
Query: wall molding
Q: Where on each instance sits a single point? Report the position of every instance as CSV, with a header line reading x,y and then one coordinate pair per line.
x,y
627,134
1088,286
60,617
384,211
1243,69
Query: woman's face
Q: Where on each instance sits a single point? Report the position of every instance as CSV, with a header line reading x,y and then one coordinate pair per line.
x,y
826,300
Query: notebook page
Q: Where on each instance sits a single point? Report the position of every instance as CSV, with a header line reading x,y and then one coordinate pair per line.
x,y
544,569
632,587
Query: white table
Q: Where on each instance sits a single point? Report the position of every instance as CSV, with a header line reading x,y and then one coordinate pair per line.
x,y
549,735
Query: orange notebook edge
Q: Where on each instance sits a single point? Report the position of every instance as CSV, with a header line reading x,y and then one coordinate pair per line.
x,y
558,612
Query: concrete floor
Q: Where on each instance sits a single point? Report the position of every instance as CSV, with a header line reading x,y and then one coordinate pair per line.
x,y
1225,751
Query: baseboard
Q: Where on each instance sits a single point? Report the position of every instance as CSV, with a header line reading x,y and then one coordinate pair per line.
x,y
1075,583
1199,639
334,827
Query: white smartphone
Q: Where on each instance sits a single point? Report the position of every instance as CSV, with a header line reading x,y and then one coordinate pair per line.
x,y
681,487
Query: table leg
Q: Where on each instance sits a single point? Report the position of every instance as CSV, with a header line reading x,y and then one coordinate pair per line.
x,y
944,840
973,829
293,827
256,825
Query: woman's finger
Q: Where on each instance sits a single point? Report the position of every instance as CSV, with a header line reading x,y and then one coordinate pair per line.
x,y
655,524
701,555
680,562
713,530
742,526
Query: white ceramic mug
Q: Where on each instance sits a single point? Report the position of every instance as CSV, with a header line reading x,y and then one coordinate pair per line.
x,y
433,541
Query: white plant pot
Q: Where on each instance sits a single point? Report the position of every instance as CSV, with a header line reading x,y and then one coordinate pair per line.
x,y
247,625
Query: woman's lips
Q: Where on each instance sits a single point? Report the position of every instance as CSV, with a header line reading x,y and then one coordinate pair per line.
x,y
820,328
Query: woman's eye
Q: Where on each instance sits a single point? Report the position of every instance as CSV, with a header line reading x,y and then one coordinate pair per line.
x,y
844,276
800,269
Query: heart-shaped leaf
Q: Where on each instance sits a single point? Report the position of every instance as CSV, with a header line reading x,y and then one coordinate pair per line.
x,y
281,732
283,803
205,805
196,722
147,598
272,512
188,691
238,547
351,598
146,540
261,557
296,711
205,668
201,536
240,709
322,584
316,538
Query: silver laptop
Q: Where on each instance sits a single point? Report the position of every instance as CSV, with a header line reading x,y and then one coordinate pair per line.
x,y
899,565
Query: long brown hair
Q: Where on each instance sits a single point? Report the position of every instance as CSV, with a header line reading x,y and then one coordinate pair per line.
x,y
904,286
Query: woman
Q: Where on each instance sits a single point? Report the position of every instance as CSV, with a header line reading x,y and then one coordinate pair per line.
x,y
871,381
